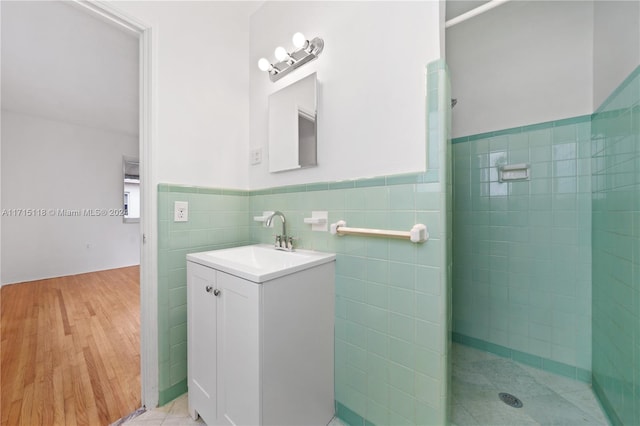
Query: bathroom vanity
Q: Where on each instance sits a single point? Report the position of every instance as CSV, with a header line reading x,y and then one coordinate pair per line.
x,y
260,336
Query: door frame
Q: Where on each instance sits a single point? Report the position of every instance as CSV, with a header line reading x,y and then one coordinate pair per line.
x,y
148,197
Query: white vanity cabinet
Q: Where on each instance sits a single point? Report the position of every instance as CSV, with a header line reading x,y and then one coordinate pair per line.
x,y
224,347
260,353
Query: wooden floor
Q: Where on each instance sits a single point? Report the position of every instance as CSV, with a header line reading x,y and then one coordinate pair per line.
x,y
70,349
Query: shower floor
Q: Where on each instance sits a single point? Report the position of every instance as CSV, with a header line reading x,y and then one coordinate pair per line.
x,y
548,399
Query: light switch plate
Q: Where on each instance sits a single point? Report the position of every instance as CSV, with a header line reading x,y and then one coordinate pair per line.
x,y
181,211
256,156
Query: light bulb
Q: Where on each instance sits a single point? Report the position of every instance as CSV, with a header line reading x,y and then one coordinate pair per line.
x,y
281,53
299,40
264,64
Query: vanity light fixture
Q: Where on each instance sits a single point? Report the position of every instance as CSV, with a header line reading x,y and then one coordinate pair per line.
x,y
305,51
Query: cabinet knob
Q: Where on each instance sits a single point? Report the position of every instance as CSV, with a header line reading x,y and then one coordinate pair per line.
x,y
216,292
208,288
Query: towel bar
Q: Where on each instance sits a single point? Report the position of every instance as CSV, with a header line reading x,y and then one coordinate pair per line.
x,y
417,234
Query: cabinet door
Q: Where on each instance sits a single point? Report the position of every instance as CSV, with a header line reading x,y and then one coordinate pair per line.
x,y
201,323
238,351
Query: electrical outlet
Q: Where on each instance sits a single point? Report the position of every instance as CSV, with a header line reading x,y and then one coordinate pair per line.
x,y
181,211
256,156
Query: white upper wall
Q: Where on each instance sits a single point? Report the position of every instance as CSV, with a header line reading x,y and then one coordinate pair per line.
x,y
79,59
200,89
69,114
51,164
521,63
616,45
371,78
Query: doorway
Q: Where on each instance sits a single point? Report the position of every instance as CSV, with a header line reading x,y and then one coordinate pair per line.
x,y
71,202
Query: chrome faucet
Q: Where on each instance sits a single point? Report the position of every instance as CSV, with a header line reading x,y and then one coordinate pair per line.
x,y
282,241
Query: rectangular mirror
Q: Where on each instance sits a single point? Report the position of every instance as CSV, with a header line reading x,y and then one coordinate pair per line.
x,y
293,126
131,180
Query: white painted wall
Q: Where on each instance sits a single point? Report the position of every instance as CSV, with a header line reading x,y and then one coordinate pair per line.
x,y
200,90
521,63
69,112
203,82
616,45
371,75
51,164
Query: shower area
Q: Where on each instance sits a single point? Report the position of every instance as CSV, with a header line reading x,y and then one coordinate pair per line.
x,y
546,213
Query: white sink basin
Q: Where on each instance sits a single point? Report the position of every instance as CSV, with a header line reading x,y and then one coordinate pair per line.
x,y
260,262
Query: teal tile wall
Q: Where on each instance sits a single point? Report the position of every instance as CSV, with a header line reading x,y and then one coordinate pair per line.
x,y
446,178
525,358
389,310
392,296
522,256
616,252
217,219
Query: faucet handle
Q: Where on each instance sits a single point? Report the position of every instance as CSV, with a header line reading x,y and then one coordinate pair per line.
x,y
284,242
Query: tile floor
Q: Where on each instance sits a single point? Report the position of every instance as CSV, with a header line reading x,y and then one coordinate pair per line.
x,y
176,413
477,378
548,399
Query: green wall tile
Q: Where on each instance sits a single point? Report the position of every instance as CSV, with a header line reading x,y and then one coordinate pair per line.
x,y
375,278
402,378
402,275
401,301
377,295
427,307
402,326
526,358
364,183
427,388
559,368
401,197
401,404
342,184
402,353
178,370
317,187
614,268
527,228
427,414
404,179
178,334
348,416
172,392
428,280
377,319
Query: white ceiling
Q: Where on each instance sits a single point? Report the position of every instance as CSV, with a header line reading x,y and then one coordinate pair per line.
x,y
458,7
61,63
